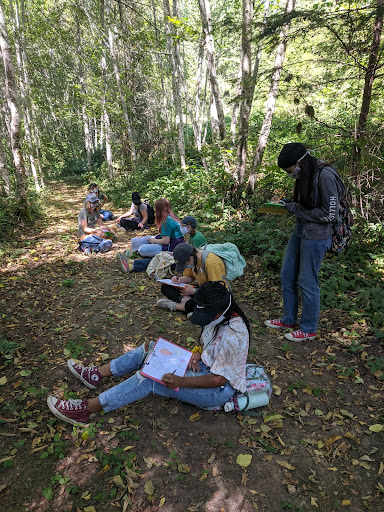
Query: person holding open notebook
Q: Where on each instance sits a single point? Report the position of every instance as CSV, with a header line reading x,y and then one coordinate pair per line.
x,y
216,370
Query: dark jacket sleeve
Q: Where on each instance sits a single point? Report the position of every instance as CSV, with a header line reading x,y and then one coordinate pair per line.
x,y
331,190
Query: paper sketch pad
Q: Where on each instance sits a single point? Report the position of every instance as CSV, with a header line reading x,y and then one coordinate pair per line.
x,y
170,283
274,208
166,357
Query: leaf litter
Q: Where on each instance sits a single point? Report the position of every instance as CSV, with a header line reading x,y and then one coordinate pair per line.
x,y
319,441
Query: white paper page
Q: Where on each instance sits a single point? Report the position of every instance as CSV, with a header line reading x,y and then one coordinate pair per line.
x,y
169,281
166,358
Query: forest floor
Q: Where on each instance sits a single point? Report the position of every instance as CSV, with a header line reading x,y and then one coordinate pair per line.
x,y
318,446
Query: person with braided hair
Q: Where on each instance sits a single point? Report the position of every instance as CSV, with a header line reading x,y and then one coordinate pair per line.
x,y
316,197
216,370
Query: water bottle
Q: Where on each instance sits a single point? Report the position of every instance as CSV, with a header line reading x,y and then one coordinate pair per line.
x,y
255,400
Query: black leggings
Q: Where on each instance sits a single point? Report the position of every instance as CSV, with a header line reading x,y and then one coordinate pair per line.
x,y
171,292
129,224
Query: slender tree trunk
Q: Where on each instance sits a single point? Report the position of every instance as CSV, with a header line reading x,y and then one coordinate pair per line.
x,y
247,89
107,127
15,123
370,76
24,93
176,90
183,80
272,97
236,104
205,12
198,106
123,103
87,135
5,184
160,68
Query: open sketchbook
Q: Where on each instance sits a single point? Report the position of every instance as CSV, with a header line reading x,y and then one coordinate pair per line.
x,y
166,357
273,208
170,283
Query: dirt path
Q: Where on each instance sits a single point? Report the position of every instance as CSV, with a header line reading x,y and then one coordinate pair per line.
x,y
318,445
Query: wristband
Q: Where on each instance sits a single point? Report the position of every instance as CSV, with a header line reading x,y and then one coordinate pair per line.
x,y
197,349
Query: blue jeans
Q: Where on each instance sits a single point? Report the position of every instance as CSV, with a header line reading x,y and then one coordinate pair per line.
x,y
149,250
137,386
141,265
300,270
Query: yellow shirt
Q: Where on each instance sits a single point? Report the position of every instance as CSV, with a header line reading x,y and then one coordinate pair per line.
x,y
214,270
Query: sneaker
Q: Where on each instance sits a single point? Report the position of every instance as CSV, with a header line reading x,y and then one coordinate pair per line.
x,y
166,304
300,336
278,324
71,411
89,375
125,264
87,251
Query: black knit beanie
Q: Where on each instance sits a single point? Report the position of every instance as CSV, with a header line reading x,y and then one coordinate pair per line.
x,y
136,198
290,154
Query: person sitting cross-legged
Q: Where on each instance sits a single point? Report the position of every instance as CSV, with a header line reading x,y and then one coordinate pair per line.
x,y
214,375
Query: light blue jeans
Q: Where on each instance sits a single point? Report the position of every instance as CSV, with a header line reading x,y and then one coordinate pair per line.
x,y
137,386
300,271
149,250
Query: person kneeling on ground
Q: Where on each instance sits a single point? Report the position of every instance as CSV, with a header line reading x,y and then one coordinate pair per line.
x,y
139,212
189,226
189,262
213,377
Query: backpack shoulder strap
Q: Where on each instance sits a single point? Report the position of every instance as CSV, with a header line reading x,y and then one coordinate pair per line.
x,y
204,257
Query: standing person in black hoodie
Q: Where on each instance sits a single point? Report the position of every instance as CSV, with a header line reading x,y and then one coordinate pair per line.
x,y
316,196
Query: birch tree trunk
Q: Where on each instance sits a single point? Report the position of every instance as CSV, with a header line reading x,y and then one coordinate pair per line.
x,y
272,97
177,100
24,92
15,123
246,89
205,12
5,185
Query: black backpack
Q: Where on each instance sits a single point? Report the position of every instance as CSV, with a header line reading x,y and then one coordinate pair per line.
x,y
151,213
342,232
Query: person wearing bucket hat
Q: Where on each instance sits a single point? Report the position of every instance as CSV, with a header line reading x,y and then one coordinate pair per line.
x,y
216,369
316,197
136,217
189,263
189,227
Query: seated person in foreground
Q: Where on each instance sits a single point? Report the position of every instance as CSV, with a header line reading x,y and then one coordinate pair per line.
x,y
189,262
196,238
213,377
136,217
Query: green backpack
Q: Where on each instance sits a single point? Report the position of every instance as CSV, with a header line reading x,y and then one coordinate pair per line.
x,y
230,254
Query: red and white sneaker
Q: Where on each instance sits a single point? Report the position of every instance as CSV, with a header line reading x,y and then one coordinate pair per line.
x,y
300,336
71,411
89,375
278,324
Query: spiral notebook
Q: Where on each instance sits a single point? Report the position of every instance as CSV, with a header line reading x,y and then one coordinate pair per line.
x,y
166,357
